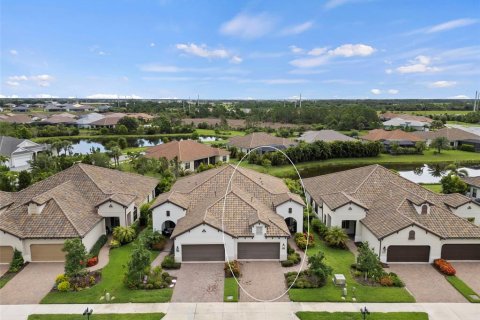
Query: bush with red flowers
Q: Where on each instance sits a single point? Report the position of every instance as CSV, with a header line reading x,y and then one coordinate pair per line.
x,y
92,261
444,267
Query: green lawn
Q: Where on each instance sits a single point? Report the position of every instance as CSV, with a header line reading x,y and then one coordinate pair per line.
x,y
341,260
463,288
230,288
358,316
112,281
465,124
435,187
104,316
429,156
223,133
5,278
127,167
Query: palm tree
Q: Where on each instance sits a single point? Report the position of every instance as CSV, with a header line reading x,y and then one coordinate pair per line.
x,y
115,153
336,237
462,173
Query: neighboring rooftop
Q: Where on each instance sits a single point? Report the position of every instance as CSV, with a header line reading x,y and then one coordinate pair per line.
x,y
399,122
392,135
252,197
410,117
452,134
472,181
258,139
389,201
324,135
184,150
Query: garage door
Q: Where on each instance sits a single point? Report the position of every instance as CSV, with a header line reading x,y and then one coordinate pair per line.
x,y
6,254
47,252
259,250
461,251
203,252
408,253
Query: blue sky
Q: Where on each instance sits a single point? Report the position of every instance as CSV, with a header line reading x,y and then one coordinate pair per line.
x,y
240,49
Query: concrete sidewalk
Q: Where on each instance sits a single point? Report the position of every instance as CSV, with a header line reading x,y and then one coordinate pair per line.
x,y
247,311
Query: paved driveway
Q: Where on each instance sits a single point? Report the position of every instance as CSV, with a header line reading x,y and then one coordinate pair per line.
x,y
3,269
31,284
199,282
262,280
469,272
426,284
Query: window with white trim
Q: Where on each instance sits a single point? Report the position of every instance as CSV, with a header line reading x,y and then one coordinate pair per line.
x,y
259,230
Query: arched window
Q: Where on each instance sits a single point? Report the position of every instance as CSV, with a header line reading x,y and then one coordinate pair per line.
x,y
411,235
424,209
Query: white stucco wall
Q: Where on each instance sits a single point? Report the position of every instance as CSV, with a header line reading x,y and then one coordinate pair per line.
x,y
28,242
297,212
92,236
159,214
349,211
469,210
210,236
367,236
113,209
6,239
21,160
282,243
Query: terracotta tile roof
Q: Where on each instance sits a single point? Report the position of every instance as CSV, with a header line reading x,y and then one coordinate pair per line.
x,y
452,134
258,139
184,150
472,181
393,135
324,135
251,197
389,200
17,118
69,199
108,120
391,115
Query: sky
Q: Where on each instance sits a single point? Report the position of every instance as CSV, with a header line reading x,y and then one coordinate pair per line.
x,y
224,49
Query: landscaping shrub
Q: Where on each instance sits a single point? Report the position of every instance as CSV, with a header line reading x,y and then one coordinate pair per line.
x,y
301,240
444,267
144,214
63,286
75,258
114,244
336,237
124,234
319,227
61,278
294,257
386,281
169,263
397,282
92,261
287,263
137,266
156,279
368,261
232,268
306,279
17,261
95,250
153,239
467,147
136,227
318,267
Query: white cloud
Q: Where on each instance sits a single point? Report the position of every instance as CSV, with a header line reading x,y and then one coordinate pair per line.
x,y
297,29
152,44
112,96
295,49
42,80
452,24
420,64
393,91
442,84
12,83
13,96
460,96
388,71
323,55
236,60
204,52
248,26
376,91
18,78
45,96
13,52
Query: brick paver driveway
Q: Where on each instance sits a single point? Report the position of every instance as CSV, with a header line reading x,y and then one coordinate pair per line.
x,y
31,284
199,282
469,272
262,280
3,269
426,284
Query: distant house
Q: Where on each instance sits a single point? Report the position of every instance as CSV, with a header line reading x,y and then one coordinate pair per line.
x,y
141,116
53,107
324,135
103,108
402,123
190,154
9,105
86,121
108,121
19,152
16,118
402,138
456,136
22,108
409,117
63,118
473,189
260,140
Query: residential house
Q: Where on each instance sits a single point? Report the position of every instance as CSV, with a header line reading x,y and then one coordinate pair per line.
x,y
401,220
86,120
410,117
402,138
16,118
53,107
260,141
62,118
82,201
21,108
108,121
324,135
189,154
473,192
229,212
20,152
396,123
455,136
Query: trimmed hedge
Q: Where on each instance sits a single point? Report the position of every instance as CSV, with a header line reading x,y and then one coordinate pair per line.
x,y
98,245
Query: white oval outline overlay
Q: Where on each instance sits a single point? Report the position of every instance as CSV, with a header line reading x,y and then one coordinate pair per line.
x,y
223,226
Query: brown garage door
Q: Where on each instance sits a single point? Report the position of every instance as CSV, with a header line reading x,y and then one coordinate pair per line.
x,y
259,250
461,251
6,254
47,252
408,253
203,252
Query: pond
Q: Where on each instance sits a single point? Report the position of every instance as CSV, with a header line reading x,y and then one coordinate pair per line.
x,y
85,146
427,173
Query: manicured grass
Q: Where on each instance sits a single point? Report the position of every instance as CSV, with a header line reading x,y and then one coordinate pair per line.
x,y
358,316
224,133
112,281
230,288
127,167
134,149
5,278
429,156
435,187
463,288
104,316
341,260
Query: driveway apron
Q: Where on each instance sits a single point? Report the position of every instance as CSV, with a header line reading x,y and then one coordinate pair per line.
x,y
199,282
262,281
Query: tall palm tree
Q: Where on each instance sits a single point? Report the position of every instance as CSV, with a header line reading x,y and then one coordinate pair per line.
x,y
462,173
